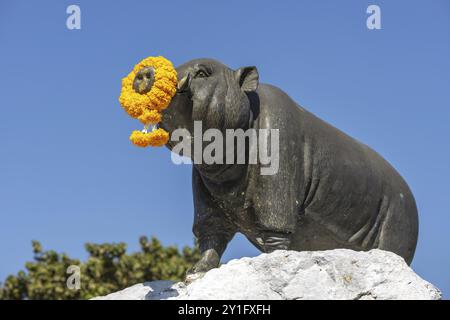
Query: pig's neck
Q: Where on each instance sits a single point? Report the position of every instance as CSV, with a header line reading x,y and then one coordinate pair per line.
x,y
227,182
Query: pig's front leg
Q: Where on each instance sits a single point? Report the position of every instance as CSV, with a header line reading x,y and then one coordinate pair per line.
x,y
212,228
212,248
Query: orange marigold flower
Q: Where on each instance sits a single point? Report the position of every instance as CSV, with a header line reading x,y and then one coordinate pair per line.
x,y
140,139
158,137
150,117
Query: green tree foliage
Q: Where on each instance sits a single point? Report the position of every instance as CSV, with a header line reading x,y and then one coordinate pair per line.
x,y
109,268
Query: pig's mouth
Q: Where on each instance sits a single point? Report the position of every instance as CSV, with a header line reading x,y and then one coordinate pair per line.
x,y
178,116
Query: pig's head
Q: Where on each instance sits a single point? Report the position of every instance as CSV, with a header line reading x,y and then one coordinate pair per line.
x,y
210,92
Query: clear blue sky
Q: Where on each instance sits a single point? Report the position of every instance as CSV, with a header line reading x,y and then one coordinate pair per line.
x,y
69,175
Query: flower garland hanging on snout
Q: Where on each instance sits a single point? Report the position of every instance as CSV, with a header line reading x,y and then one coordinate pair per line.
x,y
146,91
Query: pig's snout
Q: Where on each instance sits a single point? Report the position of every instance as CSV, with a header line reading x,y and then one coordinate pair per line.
x,y
144,80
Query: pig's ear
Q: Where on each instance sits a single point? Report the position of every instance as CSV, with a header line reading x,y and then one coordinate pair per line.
x,y
248,78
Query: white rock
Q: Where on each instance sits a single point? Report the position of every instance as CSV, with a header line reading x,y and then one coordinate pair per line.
x,y
291,275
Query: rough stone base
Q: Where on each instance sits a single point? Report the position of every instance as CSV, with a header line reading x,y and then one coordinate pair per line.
x,y
290,275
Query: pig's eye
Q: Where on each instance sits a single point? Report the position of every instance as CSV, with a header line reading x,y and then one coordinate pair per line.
x,y
201,74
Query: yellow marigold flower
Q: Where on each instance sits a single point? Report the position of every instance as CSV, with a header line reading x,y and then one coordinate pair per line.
x,y
162,91
140,139
150,117
158,137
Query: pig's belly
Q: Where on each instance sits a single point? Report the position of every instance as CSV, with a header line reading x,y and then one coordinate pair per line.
x,y
311,236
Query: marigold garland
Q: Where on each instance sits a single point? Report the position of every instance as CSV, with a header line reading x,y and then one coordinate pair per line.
x,y
147,107
156,138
